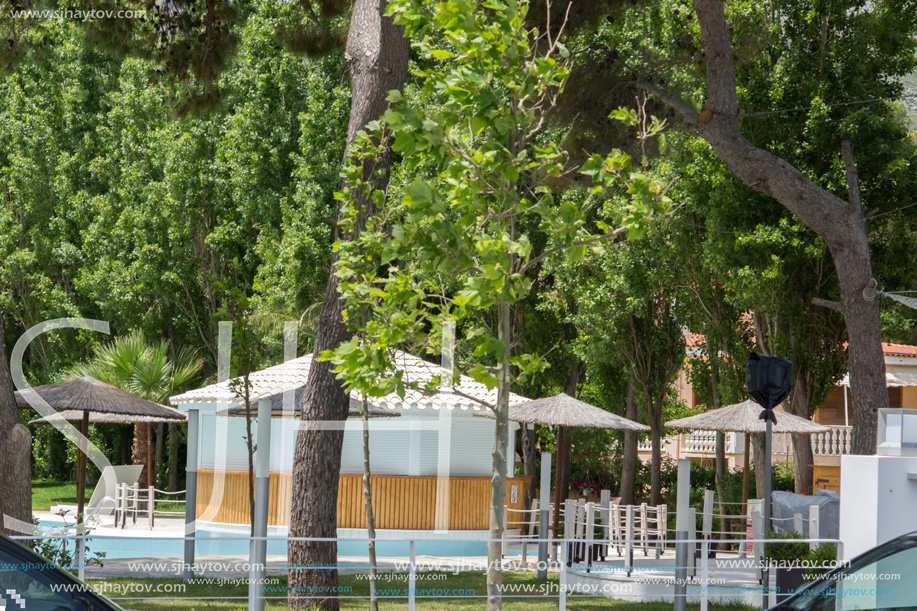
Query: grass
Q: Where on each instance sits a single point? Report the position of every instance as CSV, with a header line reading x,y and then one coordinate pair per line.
x,y
470,587
46,493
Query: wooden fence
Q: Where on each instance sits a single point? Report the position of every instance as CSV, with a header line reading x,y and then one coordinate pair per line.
x,y
399,501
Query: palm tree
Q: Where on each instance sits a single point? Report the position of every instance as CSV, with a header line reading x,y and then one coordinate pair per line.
x,y
147,370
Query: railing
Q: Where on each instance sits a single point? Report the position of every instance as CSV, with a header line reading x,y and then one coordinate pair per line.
x,y
415,563
834,442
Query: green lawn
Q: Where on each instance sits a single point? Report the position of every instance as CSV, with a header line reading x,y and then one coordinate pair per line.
x,y
47,493
220,595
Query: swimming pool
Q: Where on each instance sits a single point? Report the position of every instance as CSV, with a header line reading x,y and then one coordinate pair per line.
x,y
229,540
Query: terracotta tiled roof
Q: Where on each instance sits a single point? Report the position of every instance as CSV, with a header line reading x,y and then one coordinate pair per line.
x,y
697,339
899,350
692,340
295,373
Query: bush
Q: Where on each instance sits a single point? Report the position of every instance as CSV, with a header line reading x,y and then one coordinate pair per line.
x,y
822,559
786,553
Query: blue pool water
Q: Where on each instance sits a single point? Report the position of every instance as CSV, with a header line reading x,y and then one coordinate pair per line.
x,y
222,543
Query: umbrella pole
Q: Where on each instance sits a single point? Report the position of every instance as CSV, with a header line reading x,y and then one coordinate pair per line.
x,y
150,476
81,467
557,476
745,474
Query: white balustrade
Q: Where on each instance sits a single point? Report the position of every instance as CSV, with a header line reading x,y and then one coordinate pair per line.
x,y
834,442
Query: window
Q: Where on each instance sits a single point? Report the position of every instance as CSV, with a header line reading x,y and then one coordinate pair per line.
x,y
881,580
894,396
34,583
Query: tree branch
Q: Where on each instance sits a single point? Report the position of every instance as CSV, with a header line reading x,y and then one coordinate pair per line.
x,y
827,303
853,185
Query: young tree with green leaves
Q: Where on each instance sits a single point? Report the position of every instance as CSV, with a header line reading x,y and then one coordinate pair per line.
x,y
480,165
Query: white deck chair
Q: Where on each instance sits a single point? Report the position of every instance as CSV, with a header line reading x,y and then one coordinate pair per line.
x,y
102,501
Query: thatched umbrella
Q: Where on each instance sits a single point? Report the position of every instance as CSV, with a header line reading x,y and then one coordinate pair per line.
x,y
562,411
87,395
744,418
103,418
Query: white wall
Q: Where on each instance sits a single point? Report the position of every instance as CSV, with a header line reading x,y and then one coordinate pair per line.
x,y
407,445
878,501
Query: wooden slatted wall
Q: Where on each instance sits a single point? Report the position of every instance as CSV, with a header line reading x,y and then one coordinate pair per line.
x,y
399,501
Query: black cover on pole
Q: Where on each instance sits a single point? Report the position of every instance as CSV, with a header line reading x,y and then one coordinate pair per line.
x,y
769,380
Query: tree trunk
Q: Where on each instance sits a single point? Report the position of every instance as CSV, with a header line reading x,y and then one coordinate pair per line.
x,y
629,463
160,439
529,463
140,452
15,465
173,457
127,439
498,487
841,224
370,516
798,405
378,57
655,414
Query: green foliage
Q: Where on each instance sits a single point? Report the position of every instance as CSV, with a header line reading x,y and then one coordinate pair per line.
x,y
822,559
472,140
60,551
115,210
785,553
143,368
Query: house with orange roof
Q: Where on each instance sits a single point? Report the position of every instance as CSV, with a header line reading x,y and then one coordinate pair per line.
x,y
827,448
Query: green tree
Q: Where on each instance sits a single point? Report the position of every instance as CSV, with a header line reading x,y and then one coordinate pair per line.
x,y
479,162
147,370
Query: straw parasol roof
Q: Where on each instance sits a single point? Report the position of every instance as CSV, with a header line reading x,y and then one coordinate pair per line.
x,y
89,394
743,418
564,410
277,407
102,418
85,396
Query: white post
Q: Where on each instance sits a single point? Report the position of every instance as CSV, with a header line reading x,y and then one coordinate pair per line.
x,y
617,527
644,536
704,572
682,526
757,533
81,547
120,505
505,529
605,516
707,520
590,533
412,578
814,526
580,528
262,492
151,499
692,546
797,523
569,527
136,502
562,585
191,494
629,539
544,507
252,575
